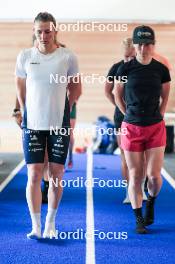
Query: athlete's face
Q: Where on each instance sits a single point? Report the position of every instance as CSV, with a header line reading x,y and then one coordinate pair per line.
x,y
129,54
144,50
45,33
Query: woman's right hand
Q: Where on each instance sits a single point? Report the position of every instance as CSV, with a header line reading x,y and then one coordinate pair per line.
x,y
18,118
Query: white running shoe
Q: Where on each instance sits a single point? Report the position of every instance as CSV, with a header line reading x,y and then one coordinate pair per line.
x,y
126,200
143,191
117,151
144,196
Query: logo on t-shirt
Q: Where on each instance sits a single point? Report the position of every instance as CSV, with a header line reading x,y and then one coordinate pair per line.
x,y
34,62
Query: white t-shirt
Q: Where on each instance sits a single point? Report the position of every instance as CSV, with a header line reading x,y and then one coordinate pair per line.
x,y
46,83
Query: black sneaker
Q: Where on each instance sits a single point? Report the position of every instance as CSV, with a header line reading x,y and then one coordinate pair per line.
x,y
140,226
141,229
149,214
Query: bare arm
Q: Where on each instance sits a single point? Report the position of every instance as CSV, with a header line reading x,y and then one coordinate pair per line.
x,y
20,99
109,86
74,90
119,94
21,91
164,96
17,105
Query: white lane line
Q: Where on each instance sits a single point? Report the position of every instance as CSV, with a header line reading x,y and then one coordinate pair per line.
x,y
168,177
90,243
11,175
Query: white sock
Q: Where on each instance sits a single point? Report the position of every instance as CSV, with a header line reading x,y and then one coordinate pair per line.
x,y
50,223
36,226
51,214
36,220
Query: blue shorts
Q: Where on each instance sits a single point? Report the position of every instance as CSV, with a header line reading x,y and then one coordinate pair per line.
x,y
35,143
57,142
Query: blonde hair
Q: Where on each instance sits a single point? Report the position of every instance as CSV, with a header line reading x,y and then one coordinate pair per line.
x,y
127,43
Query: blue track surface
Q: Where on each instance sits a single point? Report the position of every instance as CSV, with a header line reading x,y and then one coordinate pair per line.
x,y
110,216
15,224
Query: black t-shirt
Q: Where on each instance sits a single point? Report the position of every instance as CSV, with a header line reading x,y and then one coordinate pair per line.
x,y
142,91
111,76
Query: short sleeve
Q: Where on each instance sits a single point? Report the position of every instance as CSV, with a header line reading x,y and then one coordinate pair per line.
x,y
165,75
20,66
73,65
122,71
111,74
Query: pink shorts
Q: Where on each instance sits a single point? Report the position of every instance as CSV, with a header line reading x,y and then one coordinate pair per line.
x,y
141,138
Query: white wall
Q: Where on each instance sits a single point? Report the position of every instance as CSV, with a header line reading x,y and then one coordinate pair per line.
x,y
154,10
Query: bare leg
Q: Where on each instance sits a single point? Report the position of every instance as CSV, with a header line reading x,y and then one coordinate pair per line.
x,y
135,162
33,195
54,197
154,159
33,189
45,179
55,190
124,169
46,172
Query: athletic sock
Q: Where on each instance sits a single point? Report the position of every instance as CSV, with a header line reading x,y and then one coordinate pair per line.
x,y
36,220
151,199
140,228
138,214
49,230
149,213
36,226
51,214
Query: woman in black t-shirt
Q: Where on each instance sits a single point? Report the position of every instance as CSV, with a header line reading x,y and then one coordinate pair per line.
x,y
128,54
146,96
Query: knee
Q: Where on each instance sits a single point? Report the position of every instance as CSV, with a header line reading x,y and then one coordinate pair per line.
x,y
135,181
34,177
56,173
154,177
54,184
55,178
135,177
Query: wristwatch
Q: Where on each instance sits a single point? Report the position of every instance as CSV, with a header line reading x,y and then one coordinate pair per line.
x,y
16,112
